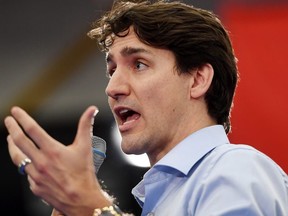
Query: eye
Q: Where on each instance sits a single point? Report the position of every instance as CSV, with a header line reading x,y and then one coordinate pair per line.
x,y
110,69
110,72
139,66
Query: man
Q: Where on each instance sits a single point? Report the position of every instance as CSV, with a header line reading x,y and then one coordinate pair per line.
x,y
172,76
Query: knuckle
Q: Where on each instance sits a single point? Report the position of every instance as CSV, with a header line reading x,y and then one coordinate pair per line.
x,y
19,136
42,168
30,129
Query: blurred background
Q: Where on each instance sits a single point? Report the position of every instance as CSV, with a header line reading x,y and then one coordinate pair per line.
x,y
49,67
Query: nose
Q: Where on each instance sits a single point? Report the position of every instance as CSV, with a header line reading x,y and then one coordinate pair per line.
x,y
118,85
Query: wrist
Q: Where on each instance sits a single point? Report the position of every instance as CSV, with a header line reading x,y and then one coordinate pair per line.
x,y
95,199
112,210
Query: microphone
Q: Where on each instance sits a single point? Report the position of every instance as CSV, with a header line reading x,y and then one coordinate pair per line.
x,y
99,152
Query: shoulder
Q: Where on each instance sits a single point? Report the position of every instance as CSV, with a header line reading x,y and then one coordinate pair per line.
x,y
238,179
238,160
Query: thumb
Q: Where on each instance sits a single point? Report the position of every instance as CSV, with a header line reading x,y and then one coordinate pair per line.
x,y
85,126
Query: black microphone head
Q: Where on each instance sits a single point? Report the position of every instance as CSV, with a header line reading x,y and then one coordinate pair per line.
x,y
99,151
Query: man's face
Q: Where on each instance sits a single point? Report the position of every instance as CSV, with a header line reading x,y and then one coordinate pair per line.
x,y
148,98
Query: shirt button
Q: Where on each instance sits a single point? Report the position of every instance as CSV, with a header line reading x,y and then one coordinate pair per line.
x,y
150,214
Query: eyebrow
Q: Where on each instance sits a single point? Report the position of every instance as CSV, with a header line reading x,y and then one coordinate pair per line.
x,y
127,51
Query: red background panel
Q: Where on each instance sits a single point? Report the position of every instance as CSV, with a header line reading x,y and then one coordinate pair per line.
x,y
260,38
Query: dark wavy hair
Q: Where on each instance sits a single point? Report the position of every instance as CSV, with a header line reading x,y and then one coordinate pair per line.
x,y
194,35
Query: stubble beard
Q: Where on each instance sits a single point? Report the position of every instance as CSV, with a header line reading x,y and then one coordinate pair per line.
x,y
132,145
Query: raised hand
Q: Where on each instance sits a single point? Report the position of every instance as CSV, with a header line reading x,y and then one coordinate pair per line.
x,y
63,176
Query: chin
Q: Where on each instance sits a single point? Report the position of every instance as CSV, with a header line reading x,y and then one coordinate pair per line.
x,y
129,148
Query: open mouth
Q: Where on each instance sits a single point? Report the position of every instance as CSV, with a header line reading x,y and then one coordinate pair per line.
x,y
127,115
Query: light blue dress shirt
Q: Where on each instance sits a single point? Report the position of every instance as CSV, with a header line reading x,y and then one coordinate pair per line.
x,y
205,175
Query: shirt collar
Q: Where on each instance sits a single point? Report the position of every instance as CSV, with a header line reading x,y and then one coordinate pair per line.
x,y
186,154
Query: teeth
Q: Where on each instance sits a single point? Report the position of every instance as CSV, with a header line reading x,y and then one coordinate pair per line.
x,y
123,111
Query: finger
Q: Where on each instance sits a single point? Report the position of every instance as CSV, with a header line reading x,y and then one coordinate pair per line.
x,y
15,153
18,157
19,139
32,128
85,126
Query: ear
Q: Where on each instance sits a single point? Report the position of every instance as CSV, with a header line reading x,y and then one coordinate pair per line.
x,y
201,80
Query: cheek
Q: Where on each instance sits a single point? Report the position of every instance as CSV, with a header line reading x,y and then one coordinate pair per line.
x,y
159,96
158,104
154,95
